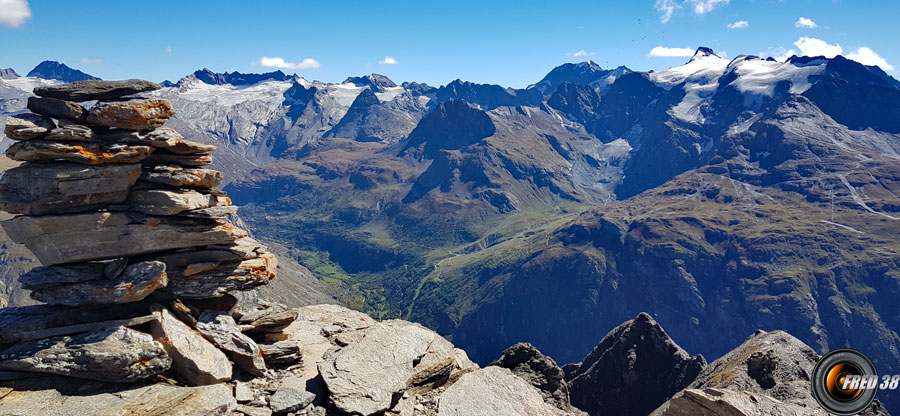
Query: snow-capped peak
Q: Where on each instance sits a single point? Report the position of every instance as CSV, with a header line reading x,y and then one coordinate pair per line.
x,y
703,52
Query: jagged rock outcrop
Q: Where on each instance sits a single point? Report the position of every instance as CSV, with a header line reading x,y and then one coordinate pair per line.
x,y
527,362
768,374
634,369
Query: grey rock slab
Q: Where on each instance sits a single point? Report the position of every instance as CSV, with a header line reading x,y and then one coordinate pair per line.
x,y
212,212
43,276
527,362
291,396
58,396
71,132
715,402
65,188
16,321
56,108
194,359
363,377
82,328
179,177
200,280
96,90
242,393
172,202
102,235
494,391
28,126
139,114
254,410
193,160
161,138
281,353
136,283
115,354
79,152
274,321
220,329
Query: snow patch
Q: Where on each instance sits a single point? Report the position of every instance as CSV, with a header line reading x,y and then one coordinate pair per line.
x,y
389,94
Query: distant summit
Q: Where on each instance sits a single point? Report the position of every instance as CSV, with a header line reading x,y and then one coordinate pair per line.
x,y
59,71
8,73
237,78
376,82
703,52
582,73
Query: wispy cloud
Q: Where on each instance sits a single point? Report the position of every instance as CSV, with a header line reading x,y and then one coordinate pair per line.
x,y
667,8
706,6
168,50
95,61
279,62
805,22
740,24
581,54
867,56
14,12
817,47
662,51
388,60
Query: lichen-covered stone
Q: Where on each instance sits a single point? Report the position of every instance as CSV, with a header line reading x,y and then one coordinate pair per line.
x,y
65,188
27,126
161,138
136,283
84,153
143,114
180,177
194,359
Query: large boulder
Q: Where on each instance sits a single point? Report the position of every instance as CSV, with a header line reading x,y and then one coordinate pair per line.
x,y
365,376
56,108
65,188
96,89
145,114
494,391
195,360
219,328
115,354
102,235
633,370
527,362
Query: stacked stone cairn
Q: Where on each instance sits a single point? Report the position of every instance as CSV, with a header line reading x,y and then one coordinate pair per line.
x,y
139,251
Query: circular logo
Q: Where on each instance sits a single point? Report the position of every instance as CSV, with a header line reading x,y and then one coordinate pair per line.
x,y
844,382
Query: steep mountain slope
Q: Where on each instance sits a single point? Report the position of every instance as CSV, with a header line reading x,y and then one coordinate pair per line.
x,y
58,71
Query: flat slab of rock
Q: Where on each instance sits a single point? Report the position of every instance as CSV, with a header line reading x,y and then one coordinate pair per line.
x,y
179,177
56,108
273,321
204,280
142,114
161,138
96,90
112,354
715,402
195,360
136,283
19,323
58,396
220,329
291,396
168,158
71,132
172,202
493,391
28,126
39,189
281,353
84,153
363,377
102,235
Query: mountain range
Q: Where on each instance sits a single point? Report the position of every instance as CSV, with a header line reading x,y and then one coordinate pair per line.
x,y
722,196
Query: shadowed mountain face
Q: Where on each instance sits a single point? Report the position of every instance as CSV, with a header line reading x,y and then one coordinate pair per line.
x,y
58,71
721,196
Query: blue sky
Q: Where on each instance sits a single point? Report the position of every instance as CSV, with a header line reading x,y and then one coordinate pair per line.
x,y
512,43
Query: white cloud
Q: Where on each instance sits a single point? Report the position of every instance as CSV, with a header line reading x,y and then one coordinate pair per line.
x,y
779,54
867,56
666,9
169,50
817,47
92,60
706,6
388,60
580,54
662,51
14,12
805,22
740,24
279,62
